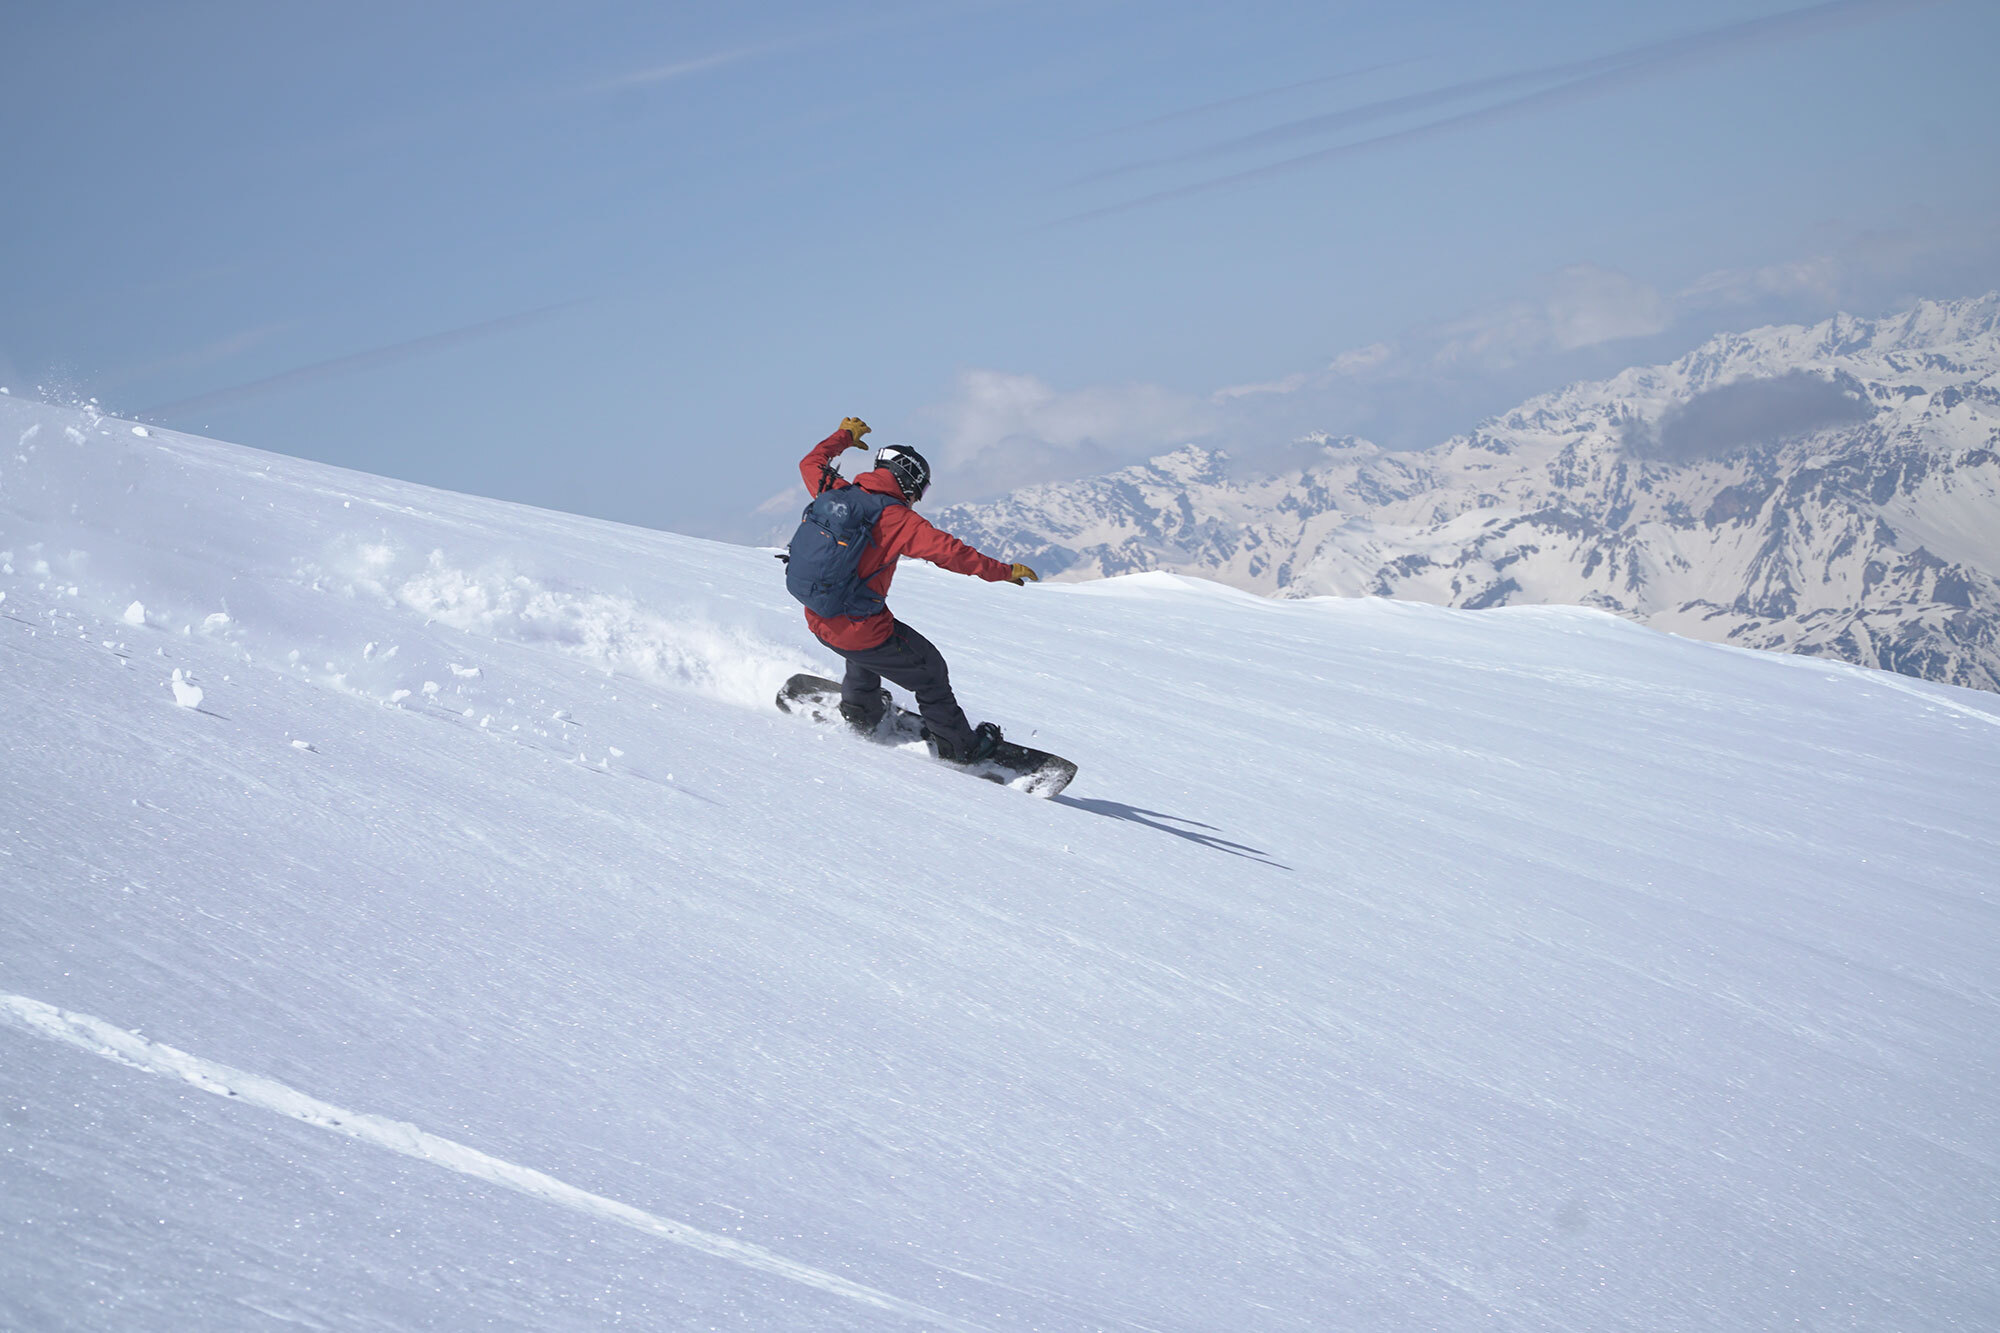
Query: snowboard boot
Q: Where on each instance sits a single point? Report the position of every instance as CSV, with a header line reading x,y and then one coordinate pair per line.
x,y
859,719
985,740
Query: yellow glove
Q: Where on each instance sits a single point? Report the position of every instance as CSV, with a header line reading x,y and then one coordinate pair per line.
x,y
1020,575
857,426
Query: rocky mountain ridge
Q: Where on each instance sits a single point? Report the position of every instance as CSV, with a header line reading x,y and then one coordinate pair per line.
x,y
1831,489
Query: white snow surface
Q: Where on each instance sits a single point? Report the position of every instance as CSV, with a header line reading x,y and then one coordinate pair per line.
x,y
1386,966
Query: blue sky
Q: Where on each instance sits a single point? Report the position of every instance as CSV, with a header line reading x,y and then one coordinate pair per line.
x,y
631,260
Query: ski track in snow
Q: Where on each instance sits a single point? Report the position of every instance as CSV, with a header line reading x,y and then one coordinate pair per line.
x,y
129,1048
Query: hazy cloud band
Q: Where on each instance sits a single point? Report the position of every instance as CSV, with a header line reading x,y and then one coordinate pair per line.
x,y
341,365
1580,80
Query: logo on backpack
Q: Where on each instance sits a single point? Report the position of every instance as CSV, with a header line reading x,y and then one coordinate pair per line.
x,y
823,570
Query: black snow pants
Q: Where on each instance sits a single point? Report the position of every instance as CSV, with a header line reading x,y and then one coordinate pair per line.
x,y
908,659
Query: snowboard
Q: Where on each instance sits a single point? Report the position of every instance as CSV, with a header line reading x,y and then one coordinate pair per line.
x,y
1036,772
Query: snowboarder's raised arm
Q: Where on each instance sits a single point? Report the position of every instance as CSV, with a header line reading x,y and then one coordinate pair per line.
x,y
903,531
816,467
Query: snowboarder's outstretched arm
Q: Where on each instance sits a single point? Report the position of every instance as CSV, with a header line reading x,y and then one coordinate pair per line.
x,y
817,467
903,531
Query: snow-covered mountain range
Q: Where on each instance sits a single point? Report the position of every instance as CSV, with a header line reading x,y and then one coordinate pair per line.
x,y
414,914
1831,490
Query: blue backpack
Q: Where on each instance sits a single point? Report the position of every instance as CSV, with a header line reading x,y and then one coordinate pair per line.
x,y
823,570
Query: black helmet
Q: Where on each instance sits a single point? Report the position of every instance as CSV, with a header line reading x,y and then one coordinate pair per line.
x,y
908,467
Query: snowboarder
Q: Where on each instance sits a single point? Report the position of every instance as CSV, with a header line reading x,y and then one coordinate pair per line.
x,y
873,513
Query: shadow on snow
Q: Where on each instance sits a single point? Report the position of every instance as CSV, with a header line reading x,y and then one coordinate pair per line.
x,y
1153,819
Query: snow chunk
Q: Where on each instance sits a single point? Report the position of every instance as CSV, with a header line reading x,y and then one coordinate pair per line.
x,y
465,672
304,745
135,615
430,687
142,432
186,693
214,621
398,696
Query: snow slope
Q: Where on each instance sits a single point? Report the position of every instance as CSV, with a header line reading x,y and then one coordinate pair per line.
x,y
481,949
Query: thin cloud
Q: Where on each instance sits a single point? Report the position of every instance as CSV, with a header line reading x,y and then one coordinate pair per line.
x,y
1581,80
1334,120
1244,99
895,17
1356,363
999,431
1576,307
681,69
1580,306
207,354
368,360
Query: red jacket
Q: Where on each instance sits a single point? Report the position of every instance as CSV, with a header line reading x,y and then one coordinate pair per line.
x,y
899,532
